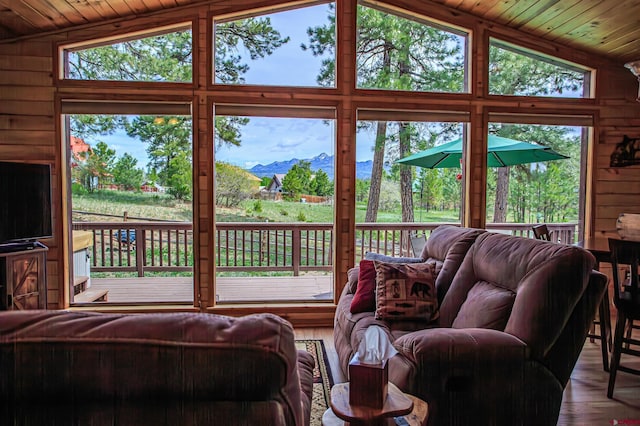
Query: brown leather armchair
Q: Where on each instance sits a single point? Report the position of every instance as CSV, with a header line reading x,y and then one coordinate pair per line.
x,y
514,315
163,369
510,330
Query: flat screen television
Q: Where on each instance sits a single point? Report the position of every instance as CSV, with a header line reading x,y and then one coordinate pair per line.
x,y
25,204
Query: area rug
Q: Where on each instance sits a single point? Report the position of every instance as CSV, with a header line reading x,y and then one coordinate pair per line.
x,y
322,379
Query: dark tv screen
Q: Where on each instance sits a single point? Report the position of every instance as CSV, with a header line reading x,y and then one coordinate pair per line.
x,y
25,202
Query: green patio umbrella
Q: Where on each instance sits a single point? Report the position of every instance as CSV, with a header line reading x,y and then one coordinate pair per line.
x,y
502,152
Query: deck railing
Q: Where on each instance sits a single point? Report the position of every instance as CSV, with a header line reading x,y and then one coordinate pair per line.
x,y
140,246
257,246
143,247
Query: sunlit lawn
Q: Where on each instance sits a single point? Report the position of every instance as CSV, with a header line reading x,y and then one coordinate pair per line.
x,y
110,206
152,206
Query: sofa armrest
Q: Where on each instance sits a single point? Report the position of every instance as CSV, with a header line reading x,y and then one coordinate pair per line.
x,y
459,345
467,373
306,363
454,357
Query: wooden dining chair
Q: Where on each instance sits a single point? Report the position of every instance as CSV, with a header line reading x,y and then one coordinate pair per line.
x,y
628,227
541,232
626,298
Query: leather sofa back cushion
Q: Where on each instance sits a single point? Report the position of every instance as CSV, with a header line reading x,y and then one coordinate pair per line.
x,y
405,291
546,278
447,245
84,356
486,306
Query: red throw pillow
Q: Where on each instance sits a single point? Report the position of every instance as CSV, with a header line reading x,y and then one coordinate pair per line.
x,y
364,300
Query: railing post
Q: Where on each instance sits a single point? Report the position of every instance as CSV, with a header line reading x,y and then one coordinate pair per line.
x,y
141,248
296,250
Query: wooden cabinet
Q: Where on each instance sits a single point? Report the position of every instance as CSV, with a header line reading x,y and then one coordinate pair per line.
x,y
23,279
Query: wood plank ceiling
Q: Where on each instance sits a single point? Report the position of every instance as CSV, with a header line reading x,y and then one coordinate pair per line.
x,y
608,28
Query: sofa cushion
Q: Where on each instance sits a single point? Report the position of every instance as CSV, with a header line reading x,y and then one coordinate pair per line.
x,y
447,246
486,306
405,291
364,299
391,259
154,358
547,279
349,328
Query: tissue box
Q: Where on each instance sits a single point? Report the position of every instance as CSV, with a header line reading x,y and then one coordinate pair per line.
x,y
368,384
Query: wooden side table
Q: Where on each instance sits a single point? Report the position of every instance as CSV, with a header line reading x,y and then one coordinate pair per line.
x,y
409,410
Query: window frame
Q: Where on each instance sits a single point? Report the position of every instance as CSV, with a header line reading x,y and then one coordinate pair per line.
x,y
62,50
589,74
421,18
143,105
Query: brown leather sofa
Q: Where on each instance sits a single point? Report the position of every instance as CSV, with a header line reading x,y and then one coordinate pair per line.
x,y
510,329
163,369
446,247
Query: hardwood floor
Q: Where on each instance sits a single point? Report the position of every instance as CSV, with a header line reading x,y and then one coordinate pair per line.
x,y
585,399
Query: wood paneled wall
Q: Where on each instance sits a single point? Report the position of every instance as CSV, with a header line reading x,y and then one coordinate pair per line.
x,y
30,128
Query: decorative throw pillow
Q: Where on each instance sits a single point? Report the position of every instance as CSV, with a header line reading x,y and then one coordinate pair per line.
x,y
364,299
391,259
406,291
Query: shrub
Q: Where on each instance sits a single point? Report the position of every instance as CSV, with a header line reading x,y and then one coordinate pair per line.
x,y
78,189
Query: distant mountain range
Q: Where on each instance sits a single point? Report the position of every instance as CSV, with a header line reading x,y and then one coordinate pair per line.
x,y
322,161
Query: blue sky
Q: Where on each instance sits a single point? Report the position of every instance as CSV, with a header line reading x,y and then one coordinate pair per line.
x,y
277,139
265,140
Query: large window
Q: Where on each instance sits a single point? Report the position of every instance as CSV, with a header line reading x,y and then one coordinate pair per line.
x,y
295,47
302,144
397,51
537,175
131,203
514,70
164,55
274,187
404,199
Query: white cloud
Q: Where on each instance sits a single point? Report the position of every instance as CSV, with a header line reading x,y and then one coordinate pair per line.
x,y
265,140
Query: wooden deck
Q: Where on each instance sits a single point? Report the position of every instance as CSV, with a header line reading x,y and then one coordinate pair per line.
x,y
228,289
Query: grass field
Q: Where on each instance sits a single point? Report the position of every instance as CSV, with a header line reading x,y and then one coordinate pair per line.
x,y
152,206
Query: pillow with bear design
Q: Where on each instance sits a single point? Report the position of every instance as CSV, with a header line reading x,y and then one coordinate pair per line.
x,y
406,291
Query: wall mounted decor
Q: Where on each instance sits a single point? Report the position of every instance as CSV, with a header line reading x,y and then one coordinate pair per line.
x,y
634,67
627,152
